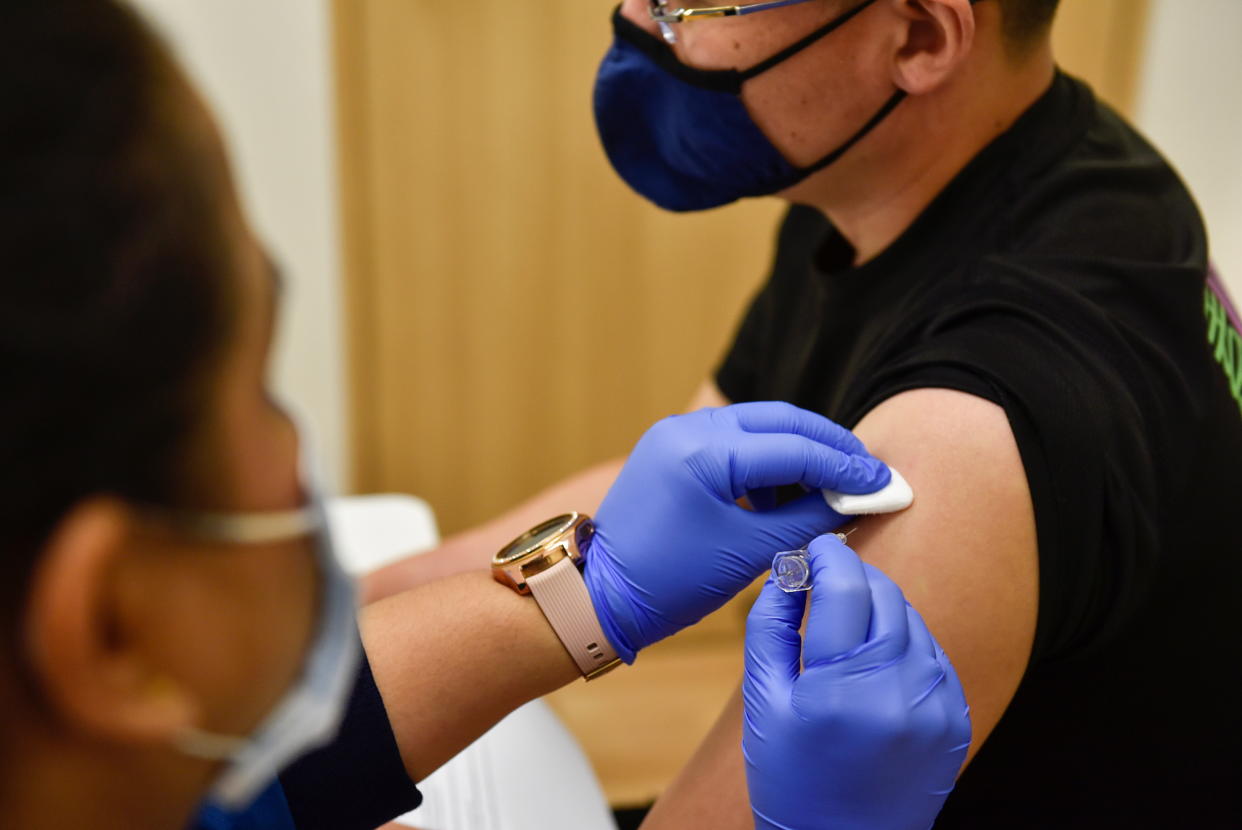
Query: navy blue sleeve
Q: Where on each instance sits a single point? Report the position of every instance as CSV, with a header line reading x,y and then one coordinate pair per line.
x,y
358,781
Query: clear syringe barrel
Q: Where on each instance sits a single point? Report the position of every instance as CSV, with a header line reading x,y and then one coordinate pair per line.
x,y
791,569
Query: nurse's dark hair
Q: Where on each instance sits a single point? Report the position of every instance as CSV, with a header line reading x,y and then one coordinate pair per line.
x,y
113,299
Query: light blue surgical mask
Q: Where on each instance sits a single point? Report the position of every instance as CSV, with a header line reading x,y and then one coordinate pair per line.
x,y
310,712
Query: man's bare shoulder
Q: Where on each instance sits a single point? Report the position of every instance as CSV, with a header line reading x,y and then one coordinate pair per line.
x,y
965,553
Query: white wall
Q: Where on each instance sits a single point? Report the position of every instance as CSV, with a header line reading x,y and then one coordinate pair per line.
x,y
1190,104
265,68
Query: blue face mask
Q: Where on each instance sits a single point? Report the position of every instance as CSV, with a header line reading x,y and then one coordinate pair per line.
x,y
681,137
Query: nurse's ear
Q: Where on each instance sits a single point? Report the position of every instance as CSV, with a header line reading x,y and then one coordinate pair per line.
x,y
937,35
97,678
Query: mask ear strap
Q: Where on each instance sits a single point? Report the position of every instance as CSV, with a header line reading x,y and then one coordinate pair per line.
x,y
209,746
889,106
789,51
823,31
242,528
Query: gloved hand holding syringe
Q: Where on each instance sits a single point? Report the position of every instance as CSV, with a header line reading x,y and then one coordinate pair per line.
x,y
854,715
791,569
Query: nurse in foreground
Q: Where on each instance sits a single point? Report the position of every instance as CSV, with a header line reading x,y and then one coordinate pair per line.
x,y
179,647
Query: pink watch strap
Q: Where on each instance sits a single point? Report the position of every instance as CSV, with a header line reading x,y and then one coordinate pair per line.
x,y
562,596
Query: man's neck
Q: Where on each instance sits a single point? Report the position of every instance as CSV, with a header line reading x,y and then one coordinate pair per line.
x,y
878,189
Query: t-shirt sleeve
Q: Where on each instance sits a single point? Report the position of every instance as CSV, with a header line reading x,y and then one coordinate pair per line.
x,y
1084,406
358,781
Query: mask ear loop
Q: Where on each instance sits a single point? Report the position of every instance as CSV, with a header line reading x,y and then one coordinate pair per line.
x,y
889,105
244,528
209,746
796,47
718,80
789,51
884,111
237,529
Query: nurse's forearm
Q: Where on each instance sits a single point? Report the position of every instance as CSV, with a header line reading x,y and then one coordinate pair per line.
x,y
470,550
453,657
711,789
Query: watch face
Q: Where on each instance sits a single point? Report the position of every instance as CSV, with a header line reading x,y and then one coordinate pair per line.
x,y
534,539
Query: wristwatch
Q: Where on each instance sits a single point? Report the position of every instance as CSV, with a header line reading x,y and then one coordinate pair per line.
x,y
546,562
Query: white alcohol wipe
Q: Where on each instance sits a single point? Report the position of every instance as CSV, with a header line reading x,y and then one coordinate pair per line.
x,y
898,495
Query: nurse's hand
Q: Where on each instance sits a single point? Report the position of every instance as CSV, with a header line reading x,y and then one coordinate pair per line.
x,y
672,545
862,725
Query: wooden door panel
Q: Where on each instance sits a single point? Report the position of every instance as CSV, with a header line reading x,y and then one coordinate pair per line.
x,y
494,257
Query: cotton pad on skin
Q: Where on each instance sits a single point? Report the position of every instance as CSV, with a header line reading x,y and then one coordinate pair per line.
x,y
896,496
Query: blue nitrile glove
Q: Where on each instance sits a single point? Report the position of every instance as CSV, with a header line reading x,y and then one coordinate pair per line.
x,y
870,732
672,545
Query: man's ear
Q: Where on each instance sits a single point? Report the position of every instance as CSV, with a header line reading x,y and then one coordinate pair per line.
x,y
938,37
94,675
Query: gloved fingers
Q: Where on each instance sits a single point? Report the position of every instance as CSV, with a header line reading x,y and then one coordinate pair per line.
x,y
801,519
927,672
957,710
954,684
775,416
922,642
887,637
789,527
773,644
774,459
841,603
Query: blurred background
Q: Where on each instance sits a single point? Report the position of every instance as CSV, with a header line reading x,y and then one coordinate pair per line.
x,y
479,307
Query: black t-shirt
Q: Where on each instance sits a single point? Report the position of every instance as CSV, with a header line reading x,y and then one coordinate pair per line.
x,y
1063,276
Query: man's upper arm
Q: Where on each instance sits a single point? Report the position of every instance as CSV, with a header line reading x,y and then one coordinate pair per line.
x,y
965,553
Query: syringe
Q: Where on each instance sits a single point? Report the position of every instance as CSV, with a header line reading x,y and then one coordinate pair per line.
x,y
791,569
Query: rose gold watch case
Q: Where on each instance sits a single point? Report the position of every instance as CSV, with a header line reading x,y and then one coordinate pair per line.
x,y
540,548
